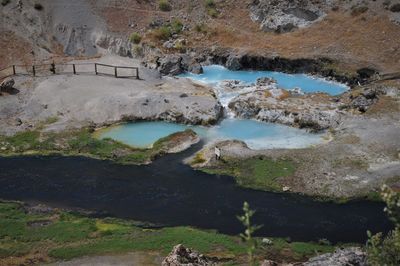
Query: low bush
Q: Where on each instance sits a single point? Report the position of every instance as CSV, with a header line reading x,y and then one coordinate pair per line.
x,y
212,12
356,11
209,3
201,28
162,33
164,5
176,26
135,38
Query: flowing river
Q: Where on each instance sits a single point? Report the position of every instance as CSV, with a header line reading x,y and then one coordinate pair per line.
x,y
169,193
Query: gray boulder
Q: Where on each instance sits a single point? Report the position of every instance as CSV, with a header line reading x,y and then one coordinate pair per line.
x,y
171,65
181,256
7,85
196,68
233,63
286,15
352,256
361,103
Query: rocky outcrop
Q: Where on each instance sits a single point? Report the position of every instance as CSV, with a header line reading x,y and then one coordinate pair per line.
x,y
115,45
341,257
181,256
7,85
284,16
364,100
316,112
175,64
171,65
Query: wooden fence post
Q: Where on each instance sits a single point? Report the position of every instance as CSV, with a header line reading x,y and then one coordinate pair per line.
x,y
33,71
14,73
115,72
73,67
95,68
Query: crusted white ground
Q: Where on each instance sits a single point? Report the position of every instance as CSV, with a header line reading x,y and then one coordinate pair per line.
x,y
77,100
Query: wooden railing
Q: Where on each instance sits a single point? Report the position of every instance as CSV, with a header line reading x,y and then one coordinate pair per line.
x,y
70,68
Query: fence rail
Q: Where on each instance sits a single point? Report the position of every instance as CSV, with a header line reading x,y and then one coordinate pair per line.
x,y
38,70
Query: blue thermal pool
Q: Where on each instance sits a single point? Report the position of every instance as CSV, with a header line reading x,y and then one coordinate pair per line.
x,y
214,74
257,135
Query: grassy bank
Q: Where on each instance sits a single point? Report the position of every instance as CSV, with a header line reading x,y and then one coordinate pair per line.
x,y
59,235
82,142
259,172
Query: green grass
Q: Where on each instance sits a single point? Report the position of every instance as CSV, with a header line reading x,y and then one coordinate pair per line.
x,y
71,235
258,172
297,251
81,142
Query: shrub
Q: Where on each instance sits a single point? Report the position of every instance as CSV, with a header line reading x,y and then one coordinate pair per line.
x,y
164,5
5,2
179,46
386,250
247,236
355,11
176,26
201,28
210,3
38,6
137,50
212,12
135,38
162,33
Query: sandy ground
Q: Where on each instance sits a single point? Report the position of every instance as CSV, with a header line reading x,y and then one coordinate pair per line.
x,y
77,100
130,259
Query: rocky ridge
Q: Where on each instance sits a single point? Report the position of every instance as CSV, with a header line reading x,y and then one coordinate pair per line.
x,y
284,16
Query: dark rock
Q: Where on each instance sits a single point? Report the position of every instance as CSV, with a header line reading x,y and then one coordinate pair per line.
x,y
233,63
365,73
395,8
341,257
171,65
181,256
369,94
183,95
17,122
361,103
7,85
265,81
196,69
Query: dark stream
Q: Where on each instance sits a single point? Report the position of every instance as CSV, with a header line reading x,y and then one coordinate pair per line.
x,y
170,193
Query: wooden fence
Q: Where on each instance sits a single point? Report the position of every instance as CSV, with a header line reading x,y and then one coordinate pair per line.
x,y
71,68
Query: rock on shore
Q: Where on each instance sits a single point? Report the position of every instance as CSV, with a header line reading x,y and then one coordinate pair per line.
x,y
182,256
341,257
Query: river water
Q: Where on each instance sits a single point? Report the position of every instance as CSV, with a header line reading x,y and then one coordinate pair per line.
x,y
168,192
